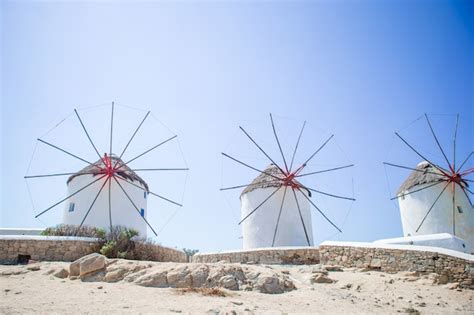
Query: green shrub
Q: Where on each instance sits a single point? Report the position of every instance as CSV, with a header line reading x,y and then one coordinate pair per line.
x,y
190,252
73,230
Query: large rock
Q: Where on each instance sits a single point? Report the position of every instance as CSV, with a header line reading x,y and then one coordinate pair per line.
x,y
157,279
273,284
179,277
86,265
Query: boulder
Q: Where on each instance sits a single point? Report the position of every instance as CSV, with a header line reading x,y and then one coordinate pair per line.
x,y
88,264
61,273
270,284
320,278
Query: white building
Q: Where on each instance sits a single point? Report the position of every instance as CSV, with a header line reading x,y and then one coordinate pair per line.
x,y
122,211
259,228
415,205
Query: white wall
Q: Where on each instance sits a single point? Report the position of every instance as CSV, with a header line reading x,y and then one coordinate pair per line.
x,y
123,212
413,208
258,229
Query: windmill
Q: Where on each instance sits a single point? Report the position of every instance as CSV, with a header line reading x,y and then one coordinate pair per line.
x,y
275,206
108,191
435,198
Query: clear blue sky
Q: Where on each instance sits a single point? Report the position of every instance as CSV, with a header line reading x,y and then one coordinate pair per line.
x,y
360,70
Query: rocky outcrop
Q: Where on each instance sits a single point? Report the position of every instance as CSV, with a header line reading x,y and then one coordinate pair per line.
x,y
96,267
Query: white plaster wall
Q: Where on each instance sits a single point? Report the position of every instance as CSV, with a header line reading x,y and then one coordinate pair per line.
x,y
123,212
258,229
413,208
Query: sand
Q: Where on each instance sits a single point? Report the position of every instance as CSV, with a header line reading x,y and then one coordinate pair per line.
x,y
355,292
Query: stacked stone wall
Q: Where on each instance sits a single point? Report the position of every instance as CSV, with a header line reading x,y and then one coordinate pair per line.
x,y
449,268
17,249
303,255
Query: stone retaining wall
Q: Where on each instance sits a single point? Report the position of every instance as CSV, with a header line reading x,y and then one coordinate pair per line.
x,y
272,255
169,254
15,248
450,266
41,248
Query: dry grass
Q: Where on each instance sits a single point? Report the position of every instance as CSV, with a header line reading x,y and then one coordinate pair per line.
x,y
204,291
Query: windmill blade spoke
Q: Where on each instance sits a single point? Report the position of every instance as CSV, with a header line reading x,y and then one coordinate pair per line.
x,y
328,194
432,206
420,155
314,154
327,170
263,202
472,193
417,190
278,142
301,216
133,136
296,147
260,148
468,180
135,206
150,192
241,186
147,151
251,167
464,162
87,134
159,169
437,141
414,169
57,174
454,142
92,204
110,205
454,208
279,215
467,196
467,172
319,210
73,194
68,153
111,128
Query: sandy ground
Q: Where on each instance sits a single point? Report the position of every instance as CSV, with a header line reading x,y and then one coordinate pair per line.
x,y
354,292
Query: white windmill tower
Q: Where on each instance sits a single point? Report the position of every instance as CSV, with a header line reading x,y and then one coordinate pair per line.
x,y
421,215
435,199
276,207
295,213
77,209
108,192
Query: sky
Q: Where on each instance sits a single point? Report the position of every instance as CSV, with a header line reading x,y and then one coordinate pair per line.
x,y
357,69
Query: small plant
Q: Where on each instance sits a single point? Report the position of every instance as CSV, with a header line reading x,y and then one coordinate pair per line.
x,y
190,252
108,249
119,242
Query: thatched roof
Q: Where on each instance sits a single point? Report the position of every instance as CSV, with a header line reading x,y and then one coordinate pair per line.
x,y
124,171
423,175
266,181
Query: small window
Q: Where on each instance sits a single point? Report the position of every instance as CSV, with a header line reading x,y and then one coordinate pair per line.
x,y
459,209
71,207
142,212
